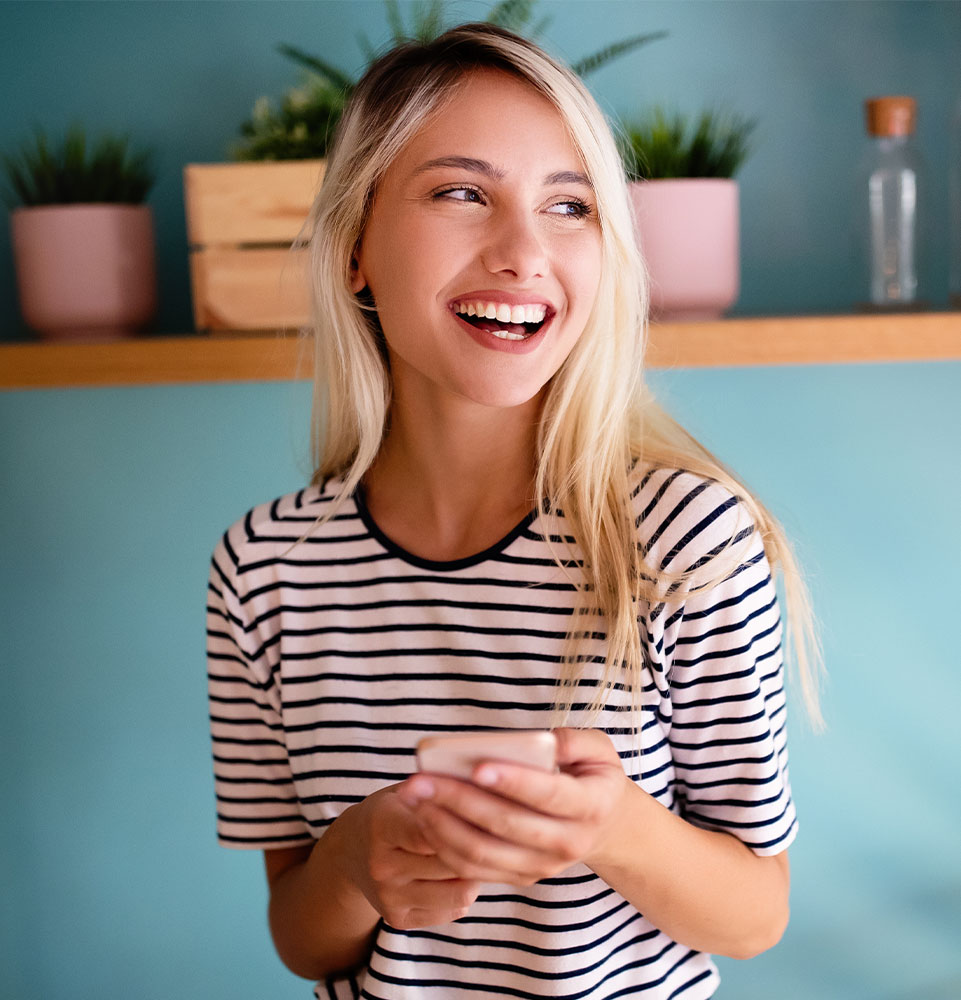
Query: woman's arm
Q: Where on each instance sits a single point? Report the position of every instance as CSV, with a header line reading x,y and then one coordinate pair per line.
x,y
373,862
319,922
703,888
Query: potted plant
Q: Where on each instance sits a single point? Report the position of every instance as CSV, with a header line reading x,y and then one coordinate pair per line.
x,y
83,239
686,208
243,217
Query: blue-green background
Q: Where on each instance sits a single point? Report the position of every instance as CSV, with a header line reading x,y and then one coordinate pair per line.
x,y
111,883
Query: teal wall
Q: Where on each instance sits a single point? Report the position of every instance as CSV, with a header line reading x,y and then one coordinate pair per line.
x,y
111,500
182,76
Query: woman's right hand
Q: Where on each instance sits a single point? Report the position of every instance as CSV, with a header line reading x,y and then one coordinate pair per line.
x,y
398,871
327,898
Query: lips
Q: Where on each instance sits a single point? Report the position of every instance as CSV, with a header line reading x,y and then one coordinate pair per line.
x,y
505,339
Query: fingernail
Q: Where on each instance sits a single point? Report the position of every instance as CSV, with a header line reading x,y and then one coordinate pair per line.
x,y
420,789
487,776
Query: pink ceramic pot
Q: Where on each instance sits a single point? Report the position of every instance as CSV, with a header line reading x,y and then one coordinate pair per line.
x,y
689,235
85,272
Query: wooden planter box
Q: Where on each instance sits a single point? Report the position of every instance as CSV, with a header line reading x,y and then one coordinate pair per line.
x,y
241,221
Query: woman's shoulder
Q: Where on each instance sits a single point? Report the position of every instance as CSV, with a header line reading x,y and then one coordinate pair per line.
x,y
685,517
272,526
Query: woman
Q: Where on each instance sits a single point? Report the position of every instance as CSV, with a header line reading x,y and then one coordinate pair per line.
x,y
503,532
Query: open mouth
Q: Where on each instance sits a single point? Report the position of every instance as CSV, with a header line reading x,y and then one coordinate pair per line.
x,y
506,322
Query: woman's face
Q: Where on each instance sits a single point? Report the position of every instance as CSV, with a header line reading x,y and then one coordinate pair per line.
x,y
483,249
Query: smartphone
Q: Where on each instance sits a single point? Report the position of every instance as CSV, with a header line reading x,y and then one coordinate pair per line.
x,y
459,755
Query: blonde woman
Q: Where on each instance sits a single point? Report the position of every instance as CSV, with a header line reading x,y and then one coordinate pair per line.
x,y
503,533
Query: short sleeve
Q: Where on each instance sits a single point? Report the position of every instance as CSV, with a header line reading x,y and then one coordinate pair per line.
x,y
728,729
257,805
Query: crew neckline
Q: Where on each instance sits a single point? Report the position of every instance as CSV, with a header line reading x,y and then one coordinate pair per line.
x,y
437,564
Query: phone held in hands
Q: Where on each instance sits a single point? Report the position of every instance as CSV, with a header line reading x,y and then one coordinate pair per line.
x,y
459,754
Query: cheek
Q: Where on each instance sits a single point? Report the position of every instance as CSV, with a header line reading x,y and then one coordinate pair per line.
x,y
583,269
407,269
592,282
390,287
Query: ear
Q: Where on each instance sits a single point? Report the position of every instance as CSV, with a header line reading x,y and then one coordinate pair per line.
x,y
358,282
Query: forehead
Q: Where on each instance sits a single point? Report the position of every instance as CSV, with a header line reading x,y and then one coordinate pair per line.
x,y
497,116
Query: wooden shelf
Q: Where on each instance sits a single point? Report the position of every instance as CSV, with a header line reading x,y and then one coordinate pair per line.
x,y
794,340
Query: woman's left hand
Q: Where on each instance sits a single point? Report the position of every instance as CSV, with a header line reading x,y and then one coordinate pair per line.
x,y
516,825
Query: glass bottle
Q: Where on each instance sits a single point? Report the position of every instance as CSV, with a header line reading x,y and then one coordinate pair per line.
x,y
893,190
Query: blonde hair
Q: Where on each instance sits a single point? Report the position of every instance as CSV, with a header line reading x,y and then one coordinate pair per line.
x,y
598,420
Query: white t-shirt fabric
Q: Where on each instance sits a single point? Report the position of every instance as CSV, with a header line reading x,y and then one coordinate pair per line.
x,y
329,660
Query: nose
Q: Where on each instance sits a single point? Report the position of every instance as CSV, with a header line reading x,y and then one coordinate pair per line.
x,y
514,246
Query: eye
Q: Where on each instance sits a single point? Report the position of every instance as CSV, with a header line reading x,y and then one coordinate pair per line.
x,y
462,192
571,208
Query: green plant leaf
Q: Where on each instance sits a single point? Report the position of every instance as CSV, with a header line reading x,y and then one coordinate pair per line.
x,y
664,146
76,173
428,20
541,26
301,128
588,64
514,15
366,47
336,77
395,22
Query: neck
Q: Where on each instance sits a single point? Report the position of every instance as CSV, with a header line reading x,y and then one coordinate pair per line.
x,y
449,484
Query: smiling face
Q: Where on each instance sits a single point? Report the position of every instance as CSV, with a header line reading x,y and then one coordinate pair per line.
x,y
483,250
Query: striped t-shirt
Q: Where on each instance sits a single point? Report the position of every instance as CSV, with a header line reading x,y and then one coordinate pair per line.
x,y
330,659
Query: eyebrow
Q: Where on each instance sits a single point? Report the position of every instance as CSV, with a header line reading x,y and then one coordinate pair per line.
x,y
487,169
569,177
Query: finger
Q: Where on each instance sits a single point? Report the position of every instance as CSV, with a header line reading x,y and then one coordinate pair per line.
x,y
410,839
414,918
556,795
502,818
417,919
584,749
591,772
398,826
423,786
450,894
408,867
559,795
473,853
425,904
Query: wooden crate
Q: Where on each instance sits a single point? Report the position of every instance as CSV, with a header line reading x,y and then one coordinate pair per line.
x,y
241,221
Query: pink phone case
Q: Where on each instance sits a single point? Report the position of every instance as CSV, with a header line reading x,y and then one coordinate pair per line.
x,y
459,755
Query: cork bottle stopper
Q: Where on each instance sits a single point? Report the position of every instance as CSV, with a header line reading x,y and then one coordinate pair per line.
x,y
890,116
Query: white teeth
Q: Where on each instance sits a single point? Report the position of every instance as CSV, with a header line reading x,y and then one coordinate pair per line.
x,y
502,312
506,335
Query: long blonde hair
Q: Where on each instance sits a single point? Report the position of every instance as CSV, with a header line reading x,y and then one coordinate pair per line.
x,y
598,420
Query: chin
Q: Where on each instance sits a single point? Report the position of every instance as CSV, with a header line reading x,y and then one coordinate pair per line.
x,y
502,397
